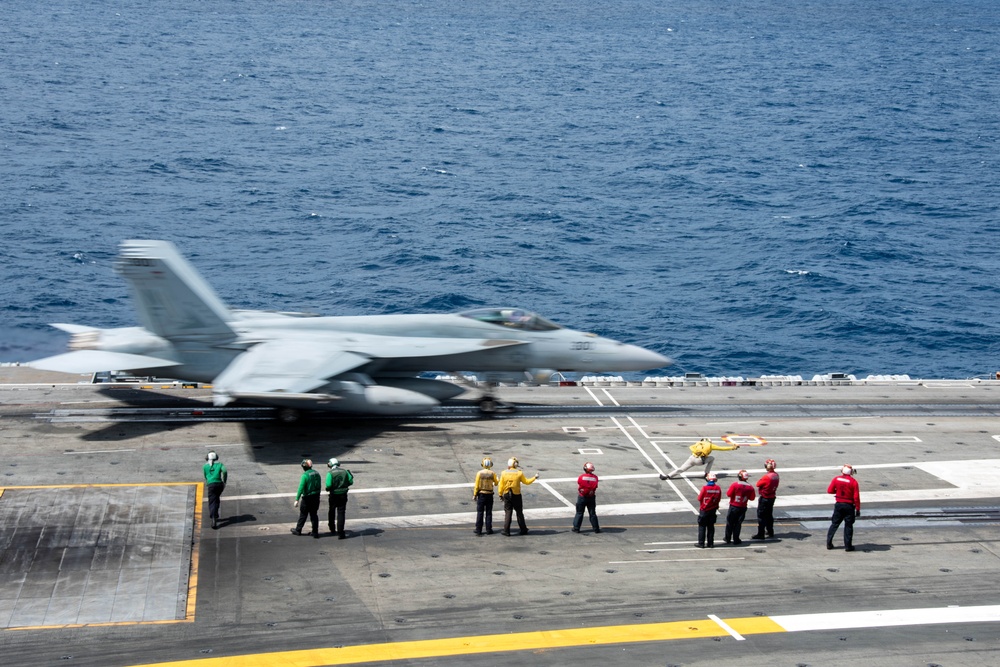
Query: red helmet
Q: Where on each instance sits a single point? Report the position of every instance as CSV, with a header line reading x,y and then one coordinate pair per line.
x,y
743,475
588,467
769,464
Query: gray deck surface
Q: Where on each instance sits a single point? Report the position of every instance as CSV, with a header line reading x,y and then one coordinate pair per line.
x,y
929,467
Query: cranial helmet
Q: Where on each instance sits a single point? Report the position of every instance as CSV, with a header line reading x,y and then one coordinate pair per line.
x,y
512,462
743,475
306,464
588,467
769,464
333,463
847,469
710,478
487,462
211,456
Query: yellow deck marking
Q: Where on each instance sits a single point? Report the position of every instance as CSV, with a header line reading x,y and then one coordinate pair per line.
x,y
597,636
195,545
520,641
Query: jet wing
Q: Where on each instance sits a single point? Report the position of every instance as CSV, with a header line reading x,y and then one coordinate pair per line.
x,y
287,366
300,365
395,347
95,361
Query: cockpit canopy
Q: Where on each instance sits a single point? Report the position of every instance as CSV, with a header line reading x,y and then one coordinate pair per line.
x,y
512,318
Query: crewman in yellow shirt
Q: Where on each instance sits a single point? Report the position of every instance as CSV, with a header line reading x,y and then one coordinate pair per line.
x,y
700,455
510,491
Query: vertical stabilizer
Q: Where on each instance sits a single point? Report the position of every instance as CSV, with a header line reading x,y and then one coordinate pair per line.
x,y
171,299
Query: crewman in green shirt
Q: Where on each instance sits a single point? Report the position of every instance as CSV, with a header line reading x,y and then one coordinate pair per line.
x,y
310,485
216,476
338,481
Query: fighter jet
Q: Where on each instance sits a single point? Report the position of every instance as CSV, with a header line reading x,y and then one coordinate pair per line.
x,y
295,361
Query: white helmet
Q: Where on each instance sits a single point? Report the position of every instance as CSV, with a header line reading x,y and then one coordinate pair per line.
x,y
211,456
512,462
847,469
333,463
487,462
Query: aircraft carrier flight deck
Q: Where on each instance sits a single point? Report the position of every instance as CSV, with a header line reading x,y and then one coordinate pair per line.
x,y
107,557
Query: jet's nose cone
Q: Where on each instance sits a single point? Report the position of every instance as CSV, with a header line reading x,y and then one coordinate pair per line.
x,y
641,359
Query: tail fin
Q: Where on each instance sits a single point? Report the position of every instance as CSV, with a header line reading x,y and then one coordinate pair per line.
x,y
171,299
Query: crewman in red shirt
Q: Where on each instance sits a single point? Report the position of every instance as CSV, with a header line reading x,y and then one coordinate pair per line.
x,y
767,489
709,498
586,497
739,494
847,506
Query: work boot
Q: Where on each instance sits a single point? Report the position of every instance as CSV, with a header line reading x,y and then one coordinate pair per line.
x,y
663,478
295,531
758,536
849,547
829,545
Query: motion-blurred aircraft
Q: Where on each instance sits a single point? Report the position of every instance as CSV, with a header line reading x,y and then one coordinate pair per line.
x,y
295,361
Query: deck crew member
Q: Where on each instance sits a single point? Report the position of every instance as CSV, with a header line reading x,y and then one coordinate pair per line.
x,y
310,485
847,506
338,482
739,494
482,493
700,455
767,489
216,477
586,498
510,491
708,499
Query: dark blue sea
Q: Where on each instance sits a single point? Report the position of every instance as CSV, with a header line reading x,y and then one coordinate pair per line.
x,y
750,187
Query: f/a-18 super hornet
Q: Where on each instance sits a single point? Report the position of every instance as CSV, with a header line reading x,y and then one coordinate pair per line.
x,y
293,361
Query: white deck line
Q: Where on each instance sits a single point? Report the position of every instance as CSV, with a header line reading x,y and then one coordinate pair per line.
x,y
888,618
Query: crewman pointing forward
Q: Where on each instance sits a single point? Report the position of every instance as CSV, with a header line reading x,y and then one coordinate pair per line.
x,y
700,455
511,480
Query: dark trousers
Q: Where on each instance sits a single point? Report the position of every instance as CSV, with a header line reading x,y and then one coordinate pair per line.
x,y
484,512
706,528
590,504
309,507
734,523
214,497
338,509
512,505
765,517
842,513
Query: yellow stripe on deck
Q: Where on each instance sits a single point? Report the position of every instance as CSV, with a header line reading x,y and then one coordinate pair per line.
x,y
598,636
520,641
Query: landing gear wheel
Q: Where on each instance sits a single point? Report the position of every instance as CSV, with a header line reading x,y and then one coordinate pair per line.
x,y
288,415
488,405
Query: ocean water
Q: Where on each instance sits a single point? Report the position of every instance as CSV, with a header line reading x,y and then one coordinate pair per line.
x,y
749,187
